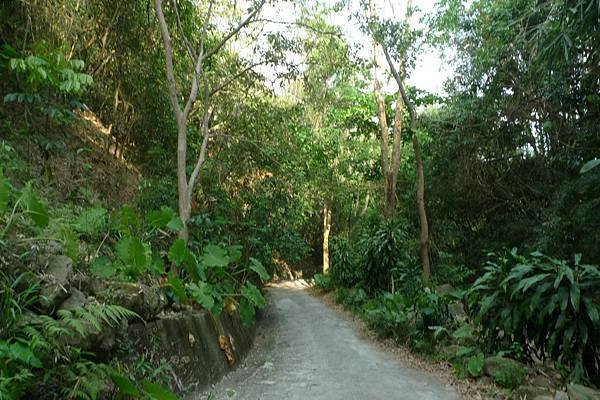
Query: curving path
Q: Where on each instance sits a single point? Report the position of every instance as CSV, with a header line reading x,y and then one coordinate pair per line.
x,y
305,350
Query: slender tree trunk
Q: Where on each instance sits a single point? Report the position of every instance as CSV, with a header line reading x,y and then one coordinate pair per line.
x,y
424,234
389,167
185,205
326,231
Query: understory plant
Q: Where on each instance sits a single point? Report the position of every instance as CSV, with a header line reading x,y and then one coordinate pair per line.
x,y
548,306
384,251
345,262
387,316
42,352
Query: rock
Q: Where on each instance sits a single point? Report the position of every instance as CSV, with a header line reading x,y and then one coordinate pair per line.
x,y
580,392
560,395
59,269
146,301
96,286
457,311
505,372
52,295
52,247
542,381
449,352
76,299
89,284
444,289
528,392
54,291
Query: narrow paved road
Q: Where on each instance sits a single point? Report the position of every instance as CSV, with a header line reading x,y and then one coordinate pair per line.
x,y
305,350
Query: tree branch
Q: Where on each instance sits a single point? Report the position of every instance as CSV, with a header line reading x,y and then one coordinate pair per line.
x,y
234,78
245,22
409,105
202,155
166,36
186,42
301,24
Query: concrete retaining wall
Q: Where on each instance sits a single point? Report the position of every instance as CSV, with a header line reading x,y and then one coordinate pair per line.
x,y
190,342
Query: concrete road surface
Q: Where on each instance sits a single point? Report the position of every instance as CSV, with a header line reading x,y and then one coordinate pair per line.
x,y
304,350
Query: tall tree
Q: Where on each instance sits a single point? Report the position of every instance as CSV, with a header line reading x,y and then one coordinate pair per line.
x,y
382,34
199,85
389,167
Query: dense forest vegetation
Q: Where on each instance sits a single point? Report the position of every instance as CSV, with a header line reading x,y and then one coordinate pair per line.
x,y
194,150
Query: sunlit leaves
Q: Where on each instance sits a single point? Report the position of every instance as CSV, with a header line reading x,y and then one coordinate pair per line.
x,y
103,267
34,208
164,218
203,293
91,221
214,256
253,294
178,252
133,252
257,267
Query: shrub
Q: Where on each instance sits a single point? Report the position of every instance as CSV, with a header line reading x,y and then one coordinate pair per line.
x,y
345,269
355,299
324,282
341,294
46,79
384,251
387,317
505,372
544,304
431,310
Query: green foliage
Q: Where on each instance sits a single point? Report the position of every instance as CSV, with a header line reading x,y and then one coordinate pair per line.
x,y
164,218
384,251
157,392
38,347
432,310
215,278
353,299
386,315
91,221
260,270
544,304
215,256
345,262
324,282
468,362
205,295
46,79
475,365
511,377
34,208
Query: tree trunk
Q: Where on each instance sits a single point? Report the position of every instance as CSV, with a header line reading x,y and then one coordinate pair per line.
x,y
185,203
424,234
326,230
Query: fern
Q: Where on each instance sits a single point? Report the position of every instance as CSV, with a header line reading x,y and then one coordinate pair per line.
x,y
86,380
